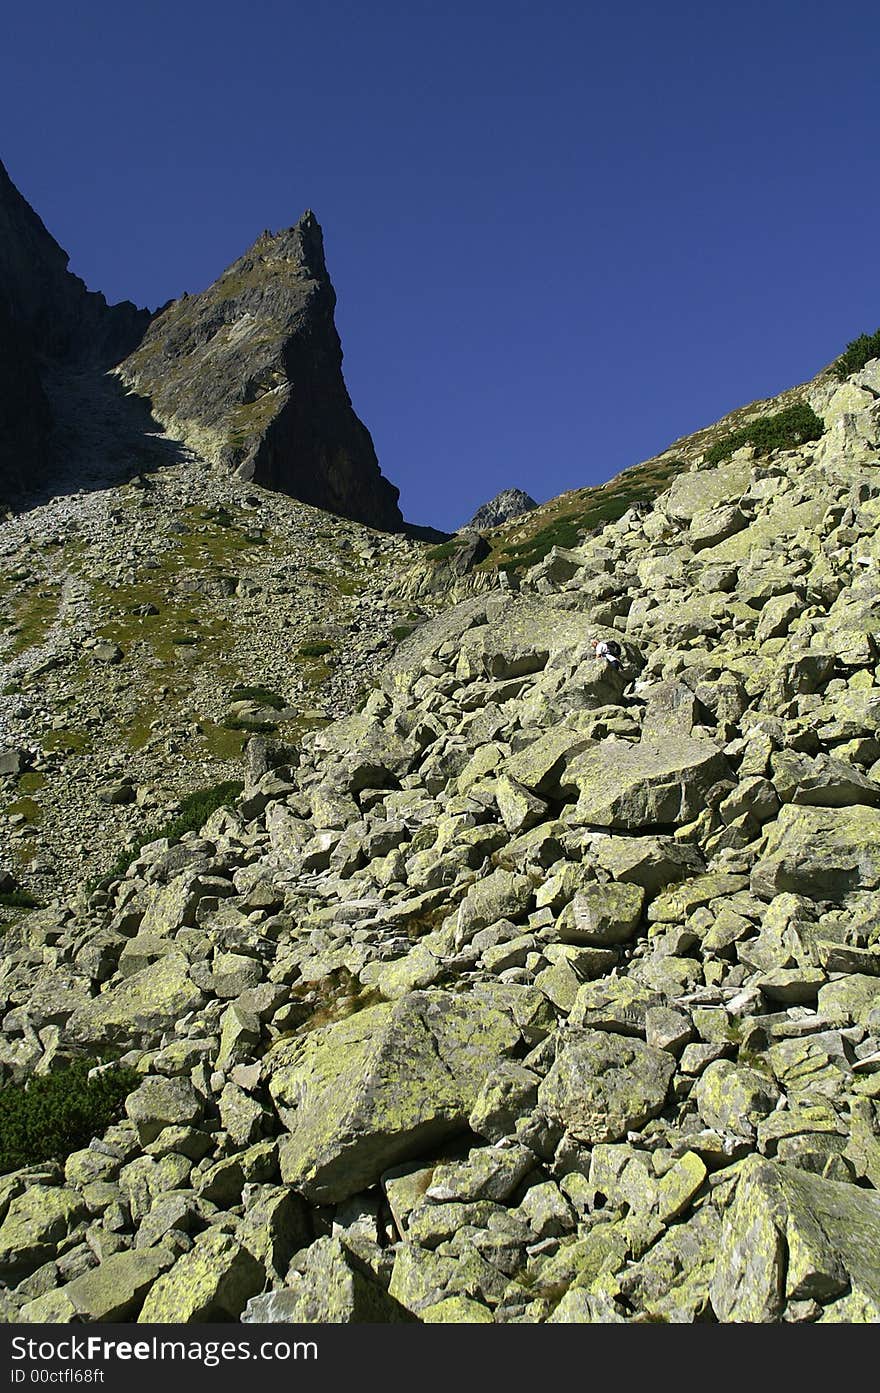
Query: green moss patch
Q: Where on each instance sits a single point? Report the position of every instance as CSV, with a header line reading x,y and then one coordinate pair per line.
x,y
31,783
27,808
64,741
33,615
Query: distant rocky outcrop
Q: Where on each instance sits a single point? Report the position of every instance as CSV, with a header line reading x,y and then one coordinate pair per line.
x,y
506,505
249,374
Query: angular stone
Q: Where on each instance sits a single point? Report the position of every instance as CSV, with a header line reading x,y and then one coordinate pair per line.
x,y
159,1103
370,1091
675,905
36,1221
139,1008
603,914
500,895
851,1000
821,853
652,862
508,1094
601,1085
790,1235
537,766
212,1282
519,808
614,1003
333,1288
644,785
732,1098
115,1290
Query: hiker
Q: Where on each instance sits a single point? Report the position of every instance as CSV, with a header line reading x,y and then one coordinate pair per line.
x,y
608,651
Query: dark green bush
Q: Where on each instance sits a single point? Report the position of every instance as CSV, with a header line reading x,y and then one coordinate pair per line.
x,y
315,650
50,1116
263,695
248,724
857,354
445,550
782,431
18,899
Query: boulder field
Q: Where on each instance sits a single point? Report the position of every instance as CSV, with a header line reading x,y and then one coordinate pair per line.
x,y
535,990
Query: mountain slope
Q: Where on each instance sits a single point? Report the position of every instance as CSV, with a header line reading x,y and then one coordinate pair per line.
x,y
534,991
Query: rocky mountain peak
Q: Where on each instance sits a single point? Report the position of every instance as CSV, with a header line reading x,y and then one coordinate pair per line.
x,y
506,505
249,374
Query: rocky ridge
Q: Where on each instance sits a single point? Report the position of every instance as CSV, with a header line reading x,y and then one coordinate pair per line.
x,y
534,990
47,319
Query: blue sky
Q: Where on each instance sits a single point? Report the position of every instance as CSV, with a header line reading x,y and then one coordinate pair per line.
x,y
561,234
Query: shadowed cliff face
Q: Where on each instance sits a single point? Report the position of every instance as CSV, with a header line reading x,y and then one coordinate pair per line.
x,y
249,374
48,321
50,309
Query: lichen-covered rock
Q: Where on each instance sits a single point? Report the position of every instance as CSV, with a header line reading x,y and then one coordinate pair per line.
x,y
373,1090
139,1008
603,914
732,1098
334,1288
35,1222
601,1086
821,853
112,1291
791,1236
629,787
212,1282
159,1103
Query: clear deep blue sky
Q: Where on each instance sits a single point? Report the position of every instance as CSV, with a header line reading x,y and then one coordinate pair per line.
x,y
561,234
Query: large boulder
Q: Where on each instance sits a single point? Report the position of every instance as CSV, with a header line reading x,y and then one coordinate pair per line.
x,y
822,853
373,1090
140,1007
212,1282
647,784
604,1085
334,1289
793,1236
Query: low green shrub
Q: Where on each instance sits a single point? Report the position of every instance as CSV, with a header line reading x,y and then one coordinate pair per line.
x,y
49,1116
315,650
445,550
195,810
249,724
857,354
18,899
783,430
263,695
